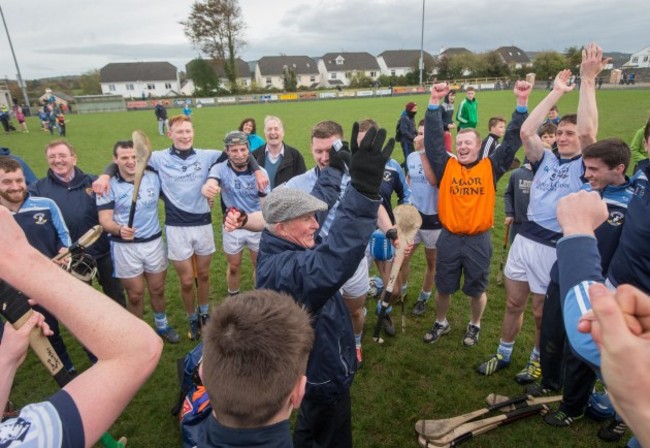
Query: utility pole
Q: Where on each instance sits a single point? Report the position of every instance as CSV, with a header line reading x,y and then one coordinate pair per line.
x,y
422,46
21,84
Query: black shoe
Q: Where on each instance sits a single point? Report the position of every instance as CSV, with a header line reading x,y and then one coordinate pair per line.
x,y
613,432
387,323
203,319
537,390
560,419
419,308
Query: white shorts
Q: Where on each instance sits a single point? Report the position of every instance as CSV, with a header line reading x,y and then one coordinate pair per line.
x,y
183,242
132,259
358,284
428,237
531,262
235,241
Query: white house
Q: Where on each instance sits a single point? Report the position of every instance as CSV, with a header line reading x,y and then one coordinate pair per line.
x,y
243,76
401,62
140,79
270,71
514,57
640,59
338,69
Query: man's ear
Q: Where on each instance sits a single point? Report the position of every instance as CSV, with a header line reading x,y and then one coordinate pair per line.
x,y
620,168
298,392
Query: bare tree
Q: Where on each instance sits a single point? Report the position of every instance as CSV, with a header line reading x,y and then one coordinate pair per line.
x,y
216,27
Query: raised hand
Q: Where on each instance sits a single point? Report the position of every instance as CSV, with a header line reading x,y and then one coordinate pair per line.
x,y
368,160
561,82
593,61
438,92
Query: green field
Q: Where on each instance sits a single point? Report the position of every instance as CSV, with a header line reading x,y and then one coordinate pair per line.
x,y
402,381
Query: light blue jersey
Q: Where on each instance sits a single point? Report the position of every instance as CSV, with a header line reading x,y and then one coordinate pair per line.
x,y
181,180
424,196
306,181
238,189
554,179
119,199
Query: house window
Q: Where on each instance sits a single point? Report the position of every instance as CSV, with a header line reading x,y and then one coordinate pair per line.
x,y
635,59
130,87
340,60
373,74
111,87
268,82
645,59
332,75
151,87
168,85
312,78
392,72
348,75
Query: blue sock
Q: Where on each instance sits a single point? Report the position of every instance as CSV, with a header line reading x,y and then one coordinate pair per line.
x,y
357,339
193,317
160,319
424,296
203,309
534,355
505,349
404,288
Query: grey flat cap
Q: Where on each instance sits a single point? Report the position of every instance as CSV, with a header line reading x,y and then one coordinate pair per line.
x,y
283,204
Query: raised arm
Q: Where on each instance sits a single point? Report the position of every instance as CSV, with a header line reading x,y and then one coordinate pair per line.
x,y
434,140
505,153
127,348
532,142
590,67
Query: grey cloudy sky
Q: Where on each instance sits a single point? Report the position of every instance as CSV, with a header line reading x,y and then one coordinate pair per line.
x,y
68,37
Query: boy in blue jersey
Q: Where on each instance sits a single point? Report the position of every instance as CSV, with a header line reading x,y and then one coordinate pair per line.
x,y
235,181
182,170
533,250
138,251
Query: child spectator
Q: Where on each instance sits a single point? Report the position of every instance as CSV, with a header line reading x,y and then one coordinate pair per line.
x,y
497,128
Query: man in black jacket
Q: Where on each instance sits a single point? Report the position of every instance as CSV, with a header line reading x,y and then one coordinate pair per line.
x,y
72,191
281,161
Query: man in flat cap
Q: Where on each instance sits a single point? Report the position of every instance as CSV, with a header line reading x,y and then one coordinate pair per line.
x,y
292,260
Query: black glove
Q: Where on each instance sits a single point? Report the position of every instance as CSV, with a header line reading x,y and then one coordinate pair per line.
x,y
340,159
368,160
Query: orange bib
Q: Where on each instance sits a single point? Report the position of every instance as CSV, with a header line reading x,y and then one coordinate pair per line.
x,y
467,197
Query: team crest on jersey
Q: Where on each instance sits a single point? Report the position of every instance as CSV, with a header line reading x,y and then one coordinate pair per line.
x,y
615,218
39,218
387,176
13,431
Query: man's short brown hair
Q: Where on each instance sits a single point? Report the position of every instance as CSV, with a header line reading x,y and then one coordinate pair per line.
x,y
570,118
326,129
611,151
256,349
9,164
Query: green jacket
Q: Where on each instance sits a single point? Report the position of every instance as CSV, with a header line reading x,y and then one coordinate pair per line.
x,y
467,115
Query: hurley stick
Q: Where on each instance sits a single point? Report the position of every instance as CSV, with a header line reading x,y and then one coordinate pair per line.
x,y
85,240
468,430
16,309
425,443
434,429
495,399
407,221
142,147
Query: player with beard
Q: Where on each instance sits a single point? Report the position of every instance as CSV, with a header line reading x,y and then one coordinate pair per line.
x,y
235,181
43,223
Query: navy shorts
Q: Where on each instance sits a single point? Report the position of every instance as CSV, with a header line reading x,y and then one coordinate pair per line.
x,y
463,255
